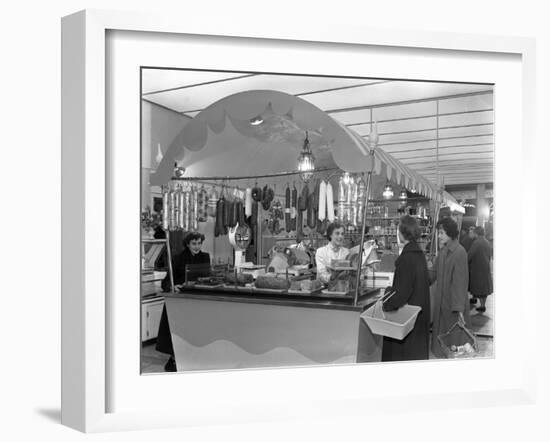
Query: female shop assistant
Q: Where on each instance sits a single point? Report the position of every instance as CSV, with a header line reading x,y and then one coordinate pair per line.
x,y
191,254
333,250
450,272
411,284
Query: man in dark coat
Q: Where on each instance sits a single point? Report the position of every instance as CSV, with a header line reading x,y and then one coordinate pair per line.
x,y
450,272
191,254
411,284
479,262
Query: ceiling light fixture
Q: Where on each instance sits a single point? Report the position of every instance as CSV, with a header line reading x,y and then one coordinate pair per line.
x,y
179,171
388,191
403,194
348,179
306,162
256,120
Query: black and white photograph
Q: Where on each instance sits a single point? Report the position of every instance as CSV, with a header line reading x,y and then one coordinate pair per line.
x,y
303,220
271,221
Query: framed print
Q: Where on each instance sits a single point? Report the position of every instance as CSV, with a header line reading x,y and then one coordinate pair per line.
x,y
106,57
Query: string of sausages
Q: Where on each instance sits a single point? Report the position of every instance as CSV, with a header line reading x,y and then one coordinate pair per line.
x,y
185,207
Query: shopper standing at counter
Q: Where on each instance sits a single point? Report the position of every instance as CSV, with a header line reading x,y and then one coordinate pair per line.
x,y
191,254
450,273
479,261
333,250
411,283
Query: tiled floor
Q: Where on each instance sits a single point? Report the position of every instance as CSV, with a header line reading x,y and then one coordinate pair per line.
x,y
482,324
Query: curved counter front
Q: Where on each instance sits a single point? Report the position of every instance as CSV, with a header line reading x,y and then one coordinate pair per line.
x,y
217,329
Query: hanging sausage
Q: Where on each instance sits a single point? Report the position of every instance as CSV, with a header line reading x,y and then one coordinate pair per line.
x,y
299,223
361,189
172,209
226,216
254,216
212,203
257,193
181,208
232,218
342,200
288,226
194,224
239,211
311,214
186,209
165,204
267,196
202,204
248,202
293,205
220,228
302,202
322,201
352,204
330,203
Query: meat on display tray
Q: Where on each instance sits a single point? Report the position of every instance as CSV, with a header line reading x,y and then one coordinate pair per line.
x,y
269,291
207,286
335,293
305,292
341,268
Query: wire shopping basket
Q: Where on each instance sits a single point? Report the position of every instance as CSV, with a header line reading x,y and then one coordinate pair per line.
x,y
458,342
395,324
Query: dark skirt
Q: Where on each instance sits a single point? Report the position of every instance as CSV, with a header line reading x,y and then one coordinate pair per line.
x,y
164,338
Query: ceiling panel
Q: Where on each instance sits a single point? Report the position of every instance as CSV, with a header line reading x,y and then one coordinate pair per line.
x,y
471,103
184,100
162,79
485,116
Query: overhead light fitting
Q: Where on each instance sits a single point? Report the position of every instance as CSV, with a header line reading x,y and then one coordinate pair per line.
x,y
306,164
403,195
256,120
466,204
179,171
348,179
388,191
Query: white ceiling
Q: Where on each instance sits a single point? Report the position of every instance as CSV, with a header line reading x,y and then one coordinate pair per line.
x,y
406,112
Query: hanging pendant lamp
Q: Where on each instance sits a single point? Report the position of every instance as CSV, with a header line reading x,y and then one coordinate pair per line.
x,y
388,191
306,162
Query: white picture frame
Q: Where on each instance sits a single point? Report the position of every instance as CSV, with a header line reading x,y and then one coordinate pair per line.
x,y
86,259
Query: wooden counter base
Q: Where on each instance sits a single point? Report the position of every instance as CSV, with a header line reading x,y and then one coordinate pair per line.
x,y
212,332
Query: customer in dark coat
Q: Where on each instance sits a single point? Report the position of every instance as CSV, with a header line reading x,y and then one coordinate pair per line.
x,y
191,254
479,262
412,286
450,272
467,238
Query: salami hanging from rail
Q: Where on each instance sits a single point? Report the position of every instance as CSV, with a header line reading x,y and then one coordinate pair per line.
x,y
288,226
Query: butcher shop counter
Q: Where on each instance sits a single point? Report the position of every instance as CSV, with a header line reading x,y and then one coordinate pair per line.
x,y
230,328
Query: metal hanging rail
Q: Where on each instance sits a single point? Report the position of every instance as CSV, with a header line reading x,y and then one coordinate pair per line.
x,y
248,177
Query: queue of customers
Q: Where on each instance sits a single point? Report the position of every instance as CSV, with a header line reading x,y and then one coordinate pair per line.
x,y
455,273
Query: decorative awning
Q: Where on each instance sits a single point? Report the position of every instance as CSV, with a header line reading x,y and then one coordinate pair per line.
x,y
285,117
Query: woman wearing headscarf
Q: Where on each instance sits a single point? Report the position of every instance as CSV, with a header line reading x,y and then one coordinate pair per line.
x,y
411,284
